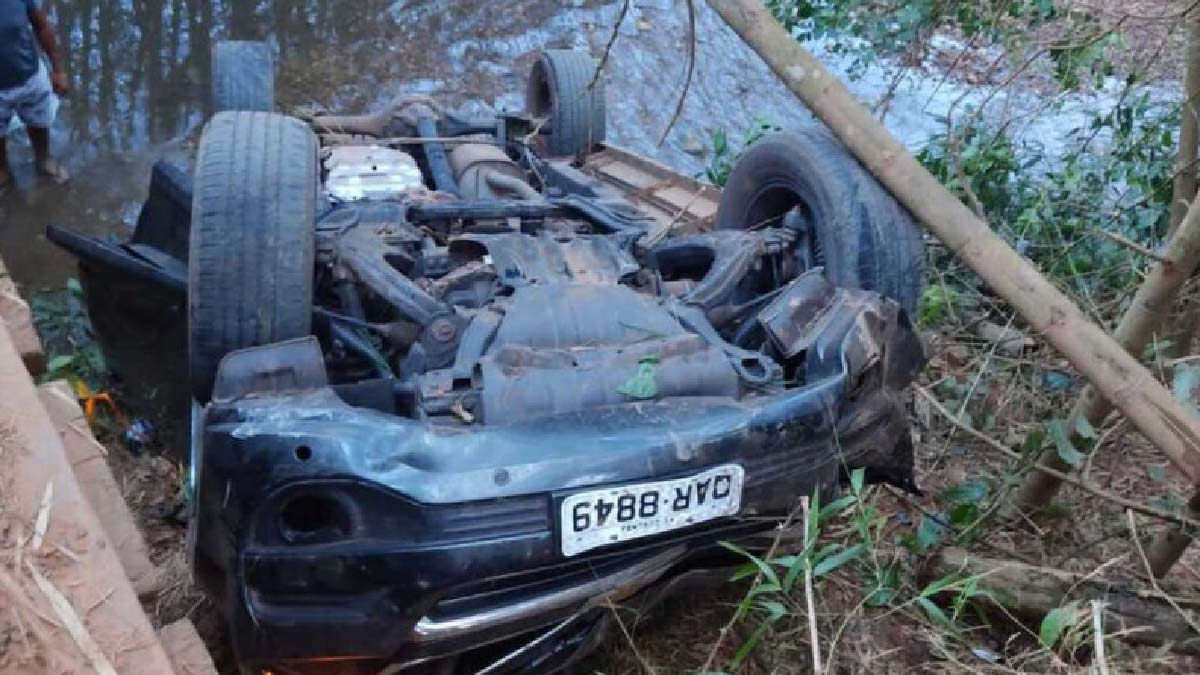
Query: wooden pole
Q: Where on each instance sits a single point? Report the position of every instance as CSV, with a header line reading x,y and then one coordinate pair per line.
x,y
1145,316
1099,358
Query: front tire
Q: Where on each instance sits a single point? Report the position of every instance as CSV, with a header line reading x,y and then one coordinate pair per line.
x,y
251,250
860,234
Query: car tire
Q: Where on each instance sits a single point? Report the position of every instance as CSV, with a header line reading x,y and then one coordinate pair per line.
x,y
243,77
251,246
861,235
561,90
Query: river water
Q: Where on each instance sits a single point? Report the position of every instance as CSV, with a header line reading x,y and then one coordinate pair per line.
x,y
140,72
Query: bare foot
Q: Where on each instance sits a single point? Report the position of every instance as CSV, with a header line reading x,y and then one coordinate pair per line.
x,y
54,171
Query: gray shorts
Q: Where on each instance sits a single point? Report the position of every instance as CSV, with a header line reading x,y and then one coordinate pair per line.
x,y
33,102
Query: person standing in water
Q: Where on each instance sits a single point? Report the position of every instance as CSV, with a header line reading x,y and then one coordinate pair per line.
x,y
27,88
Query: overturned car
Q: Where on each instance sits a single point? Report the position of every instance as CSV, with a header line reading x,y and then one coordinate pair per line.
x,y
464,384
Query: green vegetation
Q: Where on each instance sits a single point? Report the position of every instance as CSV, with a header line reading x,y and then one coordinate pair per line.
x,y
62,322
1080,211
1115,177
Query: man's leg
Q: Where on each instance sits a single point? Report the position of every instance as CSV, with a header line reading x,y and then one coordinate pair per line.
x,y
5,174
36,108
39,138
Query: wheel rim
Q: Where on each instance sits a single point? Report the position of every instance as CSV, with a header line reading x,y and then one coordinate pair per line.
x,y
768,208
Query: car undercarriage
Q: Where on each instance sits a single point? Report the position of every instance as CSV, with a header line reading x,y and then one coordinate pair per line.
x,y
462,384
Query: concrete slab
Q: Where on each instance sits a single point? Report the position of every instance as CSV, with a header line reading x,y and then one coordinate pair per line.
x,y
95,478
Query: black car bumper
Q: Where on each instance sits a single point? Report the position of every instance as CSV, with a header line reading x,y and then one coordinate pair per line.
x,y
335,532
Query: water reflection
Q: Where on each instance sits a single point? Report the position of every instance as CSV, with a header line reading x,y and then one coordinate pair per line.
x,y
140,79
140,67
140,72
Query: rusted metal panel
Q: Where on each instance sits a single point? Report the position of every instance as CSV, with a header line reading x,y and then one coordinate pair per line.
x,y
686,203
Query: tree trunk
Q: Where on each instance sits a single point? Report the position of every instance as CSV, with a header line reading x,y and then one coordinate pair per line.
x,y
1116,374
1169,545
1140,617
1184,188
1145,315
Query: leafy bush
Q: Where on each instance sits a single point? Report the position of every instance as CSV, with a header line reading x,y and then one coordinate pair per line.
x,y
1116,176
725,155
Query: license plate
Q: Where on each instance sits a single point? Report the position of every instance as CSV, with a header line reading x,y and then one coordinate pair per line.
x,y
613,515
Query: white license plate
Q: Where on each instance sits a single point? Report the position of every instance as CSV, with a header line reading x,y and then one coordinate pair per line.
x,y
612,515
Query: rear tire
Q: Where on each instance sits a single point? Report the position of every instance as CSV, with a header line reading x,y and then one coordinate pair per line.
x,y
560,89
863,237
243,77
251,248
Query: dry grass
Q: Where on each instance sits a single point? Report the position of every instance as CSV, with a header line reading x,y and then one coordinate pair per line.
x,y
1083,534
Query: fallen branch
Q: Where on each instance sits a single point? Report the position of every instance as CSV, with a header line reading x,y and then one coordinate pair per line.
x,y
1139,617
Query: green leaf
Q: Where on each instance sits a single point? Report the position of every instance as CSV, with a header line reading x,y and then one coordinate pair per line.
x,y
775,609
1057,429
857,477
1056,622
939,585
1157,472
1168,502
964,515
935,613
971,492
761,565
929,530
836,560
814,508
836,507
748,647
764,588
1034,442
59,362
887,582
744,571
643,385
1084,428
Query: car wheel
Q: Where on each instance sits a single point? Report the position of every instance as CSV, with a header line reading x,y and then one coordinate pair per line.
x,y
561,91
243,77
855,229
251,248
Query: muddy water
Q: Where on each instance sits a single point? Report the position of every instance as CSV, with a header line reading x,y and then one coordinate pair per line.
x,y
140,72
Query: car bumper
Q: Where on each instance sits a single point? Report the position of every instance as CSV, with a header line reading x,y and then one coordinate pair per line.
x,y
450,539
343,533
